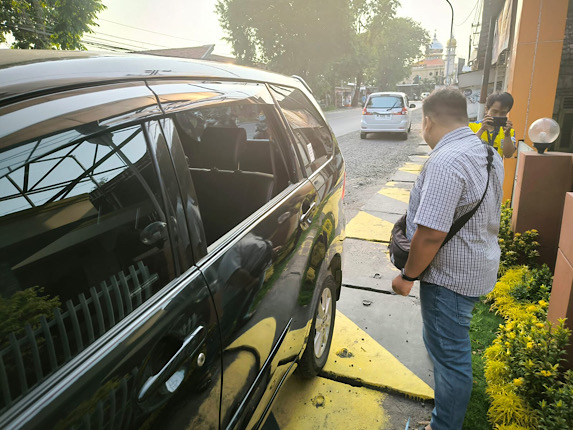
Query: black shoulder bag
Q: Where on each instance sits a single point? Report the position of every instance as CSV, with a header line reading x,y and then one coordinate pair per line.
x,y
399,245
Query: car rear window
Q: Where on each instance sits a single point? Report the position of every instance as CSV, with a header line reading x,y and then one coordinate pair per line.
x,y
386,102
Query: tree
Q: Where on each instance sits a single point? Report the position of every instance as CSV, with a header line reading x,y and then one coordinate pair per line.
x,y
324,41
398,45
48,24
384,46
300,37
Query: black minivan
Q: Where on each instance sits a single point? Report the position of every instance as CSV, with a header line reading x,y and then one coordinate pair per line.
x,y
170,241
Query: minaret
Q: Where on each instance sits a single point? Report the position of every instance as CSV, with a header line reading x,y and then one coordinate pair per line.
x,y
451,72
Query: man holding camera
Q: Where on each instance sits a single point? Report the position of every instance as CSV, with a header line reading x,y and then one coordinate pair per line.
x,y
496,129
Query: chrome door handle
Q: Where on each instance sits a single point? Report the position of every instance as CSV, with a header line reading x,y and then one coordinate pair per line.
x,y
182,355
307,216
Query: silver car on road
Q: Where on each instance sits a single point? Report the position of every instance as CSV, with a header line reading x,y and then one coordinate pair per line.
x,y
386,112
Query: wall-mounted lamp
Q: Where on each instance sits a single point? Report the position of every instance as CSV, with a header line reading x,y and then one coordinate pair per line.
x,y
543,133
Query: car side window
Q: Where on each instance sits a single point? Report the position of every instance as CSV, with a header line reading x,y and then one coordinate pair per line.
x,y
312,135
233,150
83,243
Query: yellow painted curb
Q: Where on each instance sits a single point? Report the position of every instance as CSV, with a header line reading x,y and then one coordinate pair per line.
x,y
369,227
411,168
399,194
354,355
322,404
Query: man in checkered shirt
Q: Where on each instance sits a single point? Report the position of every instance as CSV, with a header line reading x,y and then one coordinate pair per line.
x,y
451,184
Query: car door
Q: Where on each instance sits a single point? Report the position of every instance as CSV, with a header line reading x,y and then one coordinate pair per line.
x,y
255,209
120,327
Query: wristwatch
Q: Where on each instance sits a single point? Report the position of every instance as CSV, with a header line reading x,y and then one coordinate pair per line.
x,y
406,277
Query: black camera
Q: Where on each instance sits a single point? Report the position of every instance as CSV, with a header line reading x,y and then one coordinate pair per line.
x,y
499,121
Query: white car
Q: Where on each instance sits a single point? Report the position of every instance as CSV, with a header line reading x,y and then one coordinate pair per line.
x,y
386,112
424,95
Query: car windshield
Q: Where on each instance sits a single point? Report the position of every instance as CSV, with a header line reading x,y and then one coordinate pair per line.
x,y
385,102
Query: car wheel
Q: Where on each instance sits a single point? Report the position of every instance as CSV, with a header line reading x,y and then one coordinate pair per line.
x,y
362,135
318,346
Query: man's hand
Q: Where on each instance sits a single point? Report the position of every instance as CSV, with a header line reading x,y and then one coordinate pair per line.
x,y
507,128
401,286
486,124
508,146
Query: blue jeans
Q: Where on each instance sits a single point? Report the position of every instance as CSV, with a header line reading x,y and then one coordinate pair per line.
x,y
447,317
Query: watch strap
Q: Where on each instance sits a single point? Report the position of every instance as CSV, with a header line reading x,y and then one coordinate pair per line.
x,y
406,277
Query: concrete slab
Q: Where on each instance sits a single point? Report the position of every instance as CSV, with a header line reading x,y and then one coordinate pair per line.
x,y
321,403
395,322
384,204
403,185
356,356
420,159
366,265
400,176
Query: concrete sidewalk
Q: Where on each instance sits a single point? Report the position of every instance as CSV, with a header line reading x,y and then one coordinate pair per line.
x,y
367,298
377,361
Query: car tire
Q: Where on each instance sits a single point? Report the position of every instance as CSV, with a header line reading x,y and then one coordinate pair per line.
x,y
320,337
362,135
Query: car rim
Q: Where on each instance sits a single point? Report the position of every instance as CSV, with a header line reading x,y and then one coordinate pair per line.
x,y
322,324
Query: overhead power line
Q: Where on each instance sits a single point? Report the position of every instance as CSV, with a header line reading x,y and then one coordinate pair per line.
x,y
470,14
151,31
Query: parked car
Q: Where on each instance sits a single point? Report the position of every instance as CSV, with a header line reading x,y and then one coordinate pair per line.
x,y
386,112
424,95
170,241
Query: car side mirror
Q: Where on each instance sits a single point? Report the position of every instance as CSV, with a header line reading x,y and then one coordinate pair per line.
x,y
412,105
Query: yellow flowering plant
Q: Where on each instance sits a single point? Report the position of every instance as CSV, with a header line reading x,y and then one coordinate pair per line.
x,y
527,383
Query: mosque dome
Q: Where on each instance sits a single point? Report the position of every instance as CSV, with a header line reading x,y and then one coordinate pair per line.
x,y
436,46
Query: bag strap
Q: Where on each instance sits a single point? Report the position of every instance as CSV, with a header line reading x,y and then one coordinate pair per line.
x,y
459,223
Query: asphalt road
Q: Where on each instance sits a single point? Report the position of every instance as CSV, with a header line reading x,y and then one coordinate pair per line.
x,y
371,161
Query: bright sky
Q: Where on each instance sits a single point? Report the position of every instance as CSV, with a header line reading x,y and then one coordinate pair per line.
x,y
150,24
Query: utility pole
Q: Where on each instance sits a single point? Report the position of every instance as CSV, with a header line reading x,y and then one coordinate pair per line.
x,y
448,46
486,67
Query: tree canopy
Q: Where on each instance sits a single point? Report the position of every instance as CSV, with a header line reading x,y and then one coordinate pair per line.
x,y
324,41
46,24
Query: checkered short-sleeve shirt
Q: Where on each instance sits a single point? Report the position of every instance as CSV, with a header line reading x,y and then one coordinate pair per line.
x,y
451,183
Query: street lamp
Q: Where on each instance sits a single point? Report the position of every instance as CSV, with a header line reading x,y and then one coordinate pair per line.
x,y
543,133
449,44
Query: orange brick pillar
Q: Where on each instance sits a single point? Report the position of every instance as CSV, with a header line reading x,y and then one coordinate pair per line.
x,y
534,62
543,180
561,302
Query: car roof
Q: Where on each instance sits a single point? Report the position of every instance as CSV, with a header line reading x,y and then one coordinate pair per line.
x,y
24,73
388,93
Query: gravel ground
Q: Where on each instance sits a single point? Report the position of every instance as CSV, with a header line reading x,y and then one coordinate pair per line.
x,y
370,162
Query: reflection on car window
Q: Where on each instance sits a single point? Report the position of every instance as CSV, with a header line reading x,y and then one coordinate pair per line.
x,y
386,102
312,136
235,160
83,242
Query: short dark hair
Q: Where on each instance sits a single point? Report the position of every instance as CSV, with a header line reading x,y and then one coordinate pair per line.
x,y
446,102
505,99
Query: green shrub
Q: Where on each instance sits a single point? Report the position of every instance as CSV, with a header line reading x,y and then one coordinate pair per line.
x,y
24,307
516,248
535,286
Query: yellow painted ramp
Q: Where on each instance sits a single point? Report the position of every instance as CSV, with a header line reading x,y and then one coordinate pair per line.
x,y
322,404
369,227
399,194
355,356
